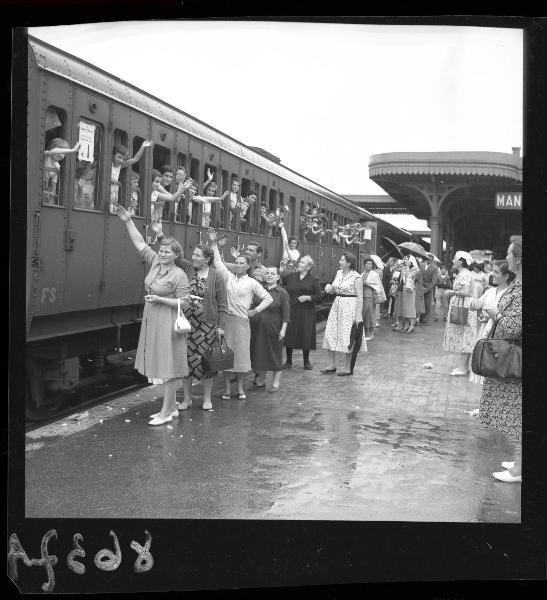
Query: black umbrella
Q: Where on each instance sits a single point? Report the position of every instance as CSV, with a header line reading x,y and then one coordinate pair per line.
x,y
355,340
393,245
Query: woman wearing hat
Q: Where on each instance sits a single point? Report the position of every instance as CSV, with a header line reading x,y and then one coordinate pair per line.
x,y
461,337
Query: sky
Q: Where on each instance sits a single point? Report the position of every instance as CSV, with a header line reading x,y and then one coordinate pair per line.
x,y
323,97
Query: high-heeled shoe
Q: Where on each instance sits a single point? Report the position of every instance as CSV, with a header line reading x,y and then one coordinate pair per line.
x,y
184,405
160,420
508,465
174,414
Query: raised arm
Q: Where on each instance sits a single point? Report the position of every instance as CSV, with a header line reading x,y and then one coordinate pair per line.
x,y
134,233
209,179
204,199
62,150
219,265
137,157
284,240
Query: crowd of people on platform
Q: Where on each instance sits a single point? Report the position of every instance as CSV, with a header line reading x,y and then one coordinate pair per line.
x,y
258,310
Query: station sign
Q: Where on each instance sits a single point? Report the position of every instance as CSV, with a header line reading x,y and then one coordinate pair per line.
x,y
509,200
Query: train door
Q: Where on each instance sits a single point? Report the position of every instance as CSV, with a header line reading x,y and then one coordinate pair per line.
x,y
195,152
229,167
209,214
123,268
180,209
50,201
90,201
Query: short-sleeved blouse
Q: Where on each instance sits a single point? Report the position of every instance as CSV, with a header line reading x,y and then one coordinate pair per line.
x,y
172,284
463,278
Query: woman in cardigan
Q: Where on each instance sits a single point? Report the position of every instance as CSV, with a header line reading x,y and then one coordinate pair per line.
x,y
206,314
240,289
501,399
268,332
405,301
304,293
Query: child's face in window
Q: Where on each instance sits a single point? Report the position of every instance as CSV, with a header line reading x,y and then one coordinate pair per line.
x,y
252,198
211,190
167,178
235,186
118,159
134,184
156,182
180,176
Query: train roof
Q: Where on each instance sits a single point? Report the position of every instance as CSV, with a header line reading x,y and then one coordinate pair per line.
x,y
52,59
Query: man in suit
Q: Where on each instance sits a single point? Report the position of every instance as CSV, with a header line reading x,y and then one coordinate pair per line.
x,y
430,274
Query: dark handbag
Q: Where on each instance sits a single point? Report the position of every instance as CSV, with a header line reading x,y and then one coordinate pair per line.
x,y
501,359
459,314
219,357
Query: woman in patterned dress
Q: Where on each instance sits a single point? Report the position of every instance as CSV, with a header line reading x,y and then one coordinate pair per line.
x,y
206,314
346,310
161,353
501,399
461,338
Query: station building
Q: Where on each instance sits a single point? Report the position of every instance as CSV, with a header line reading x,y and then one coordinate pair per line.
x,y
471,200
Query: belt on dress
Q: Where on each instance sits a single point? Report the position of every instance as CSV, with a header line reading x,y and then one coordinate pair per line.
x,y
347,295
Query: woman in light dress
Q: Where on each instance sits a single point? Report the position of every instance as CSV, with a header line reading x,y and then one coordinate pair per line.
x,y
346,310
372,289
461,338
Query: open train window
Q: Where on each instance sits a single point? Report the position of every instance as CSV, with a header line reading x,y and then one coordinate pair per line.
x,y
136,181
118,189
53,169
88,165
193,207
161,158
234,199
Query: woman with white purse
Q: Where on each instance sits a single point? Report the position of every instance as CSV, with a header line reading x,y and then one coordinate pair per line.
x,y
161,353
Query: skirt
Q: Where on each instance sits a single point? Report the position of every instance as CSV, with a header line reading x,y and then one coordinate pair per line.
x,y
338,330
369,312
200,339
460,338
161,353
237,332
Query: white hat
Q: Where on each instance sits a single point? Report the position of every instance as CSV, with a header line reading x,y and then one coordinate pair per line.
x,y
465,255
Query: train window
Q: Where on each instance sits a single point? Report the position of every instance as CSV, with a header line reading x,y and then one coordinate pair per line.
x,y
193,207
88,165
161,161
181,160
53,169
118,186
209,213
234,198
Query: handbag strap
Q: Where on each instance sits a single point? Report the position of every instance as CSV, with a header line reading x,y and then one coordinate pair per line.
x,y
178,308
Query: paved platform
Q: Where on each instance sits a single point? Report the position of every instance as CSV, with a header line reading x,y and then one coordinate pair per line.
x,y
390,443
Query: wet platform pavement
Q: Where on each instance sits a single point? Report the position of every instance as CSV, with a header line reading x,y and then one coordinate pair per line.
x,y
391,443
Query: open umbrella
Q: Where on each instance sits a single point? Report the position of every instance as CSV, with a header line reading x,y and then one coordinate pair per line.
x,y
414,249
393,245
355,341
434,258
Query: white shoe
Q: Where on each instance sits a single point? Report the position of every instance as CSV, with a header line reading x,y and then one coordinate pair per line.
x,y
507,477
508,465
457,373
173,415
184,405
473,413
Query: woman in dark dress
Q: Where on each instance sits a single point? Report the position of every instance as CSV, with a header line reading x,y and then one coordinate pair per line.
x,y
268,332
304,292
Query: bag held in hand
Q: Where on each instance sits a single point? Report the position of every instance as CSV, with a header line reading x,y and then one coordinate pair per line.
x,y
458,312
379,296
501,359
219,357
182,325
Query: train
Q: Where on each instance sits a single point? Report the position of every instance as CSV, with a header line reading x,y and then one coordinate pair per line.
x,y
84,279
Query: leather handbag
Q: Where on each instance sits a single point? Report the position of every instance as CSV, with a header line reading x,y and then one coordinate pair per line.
x,y
219,357
182,325
458,312
501,359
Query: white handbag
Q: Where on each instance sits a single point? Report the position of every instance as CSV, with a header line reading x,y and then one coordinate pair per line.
x,y
182,325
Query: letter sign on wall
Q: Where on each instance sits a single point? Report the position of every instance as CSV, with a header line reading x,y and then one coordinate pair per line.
x,y
509,200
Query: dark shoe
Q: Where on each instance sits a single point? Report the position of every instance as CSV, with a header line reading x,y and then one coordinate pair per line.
x,y
344,373
327,371
308,367
258,386
287,365
409,330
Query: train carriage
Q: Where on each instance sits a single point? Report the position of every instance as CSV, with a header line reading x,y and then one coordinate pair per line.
x,y
84,293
